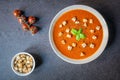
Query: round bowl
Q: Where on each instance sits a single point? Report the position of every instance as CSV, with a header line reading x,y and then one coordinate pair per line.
x,y
18,73
103,43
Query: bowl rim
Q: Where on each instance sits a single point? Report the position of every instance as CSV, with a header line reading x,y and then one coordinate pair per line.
x,y
18,73
103,43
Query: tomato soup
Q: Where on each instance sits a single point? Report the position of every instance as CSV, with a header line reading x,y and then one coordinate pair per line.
x,y
77,34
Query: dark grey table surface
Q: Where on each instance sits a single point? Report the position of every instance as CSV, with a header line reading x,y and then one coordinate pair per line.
x,y
50,67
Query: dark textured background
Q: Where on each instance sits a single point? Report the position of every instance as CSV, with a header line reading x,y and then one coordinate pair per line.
x,y
49,66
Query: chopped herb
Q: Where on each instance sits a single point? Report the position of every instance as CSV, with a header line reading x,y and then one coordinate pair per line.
x,y
74,31
82,36
77,37
78,33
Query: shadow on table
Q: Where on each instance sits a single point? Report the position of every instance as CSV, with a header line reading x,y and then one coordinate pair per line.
x,y
38,60
111,26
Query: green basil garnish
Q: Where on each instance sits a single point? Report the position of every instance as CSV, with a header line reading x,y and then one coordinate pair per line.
x,y
78,33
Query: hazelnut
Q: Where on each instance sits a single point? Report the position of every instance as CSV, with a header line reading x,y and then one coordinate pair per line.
x,y
31,19
17,13
33,30
25,26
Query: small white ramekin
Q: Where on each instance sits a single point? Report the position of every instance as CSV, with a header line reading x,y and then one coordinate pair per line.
x,y
18,73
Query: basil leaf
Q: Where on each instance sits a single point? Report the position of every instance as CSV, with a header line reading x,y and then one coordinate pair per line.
x,y
74,31
82,36
77,37
79,31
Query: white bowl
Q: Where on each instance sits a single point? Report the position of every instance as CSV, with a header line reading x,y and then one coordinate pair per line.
x,y
103,43
18,73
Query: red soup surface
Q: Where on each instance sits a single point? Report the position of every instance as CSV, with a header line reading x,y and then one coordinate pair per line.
x,y
86,37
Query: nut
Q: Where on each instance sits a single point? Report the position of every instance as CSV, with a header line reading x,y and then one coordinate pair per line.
x,y
16,68
19,65
29,69
23,63
22,55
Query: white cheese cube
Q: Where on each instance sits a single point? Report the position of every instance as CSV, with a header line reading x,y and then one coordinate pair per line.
x,y
85,20
74,19
68,36
94,37
85,24
82,54
77,22
92,31
74,44
60,34
60,26
67,30
64,23
92,45
84,45
90,21
69,47
63,41
97,27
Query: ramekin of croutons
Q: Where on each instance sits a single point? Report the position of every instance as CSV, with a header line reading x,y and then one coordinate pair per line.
x,y
23,64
